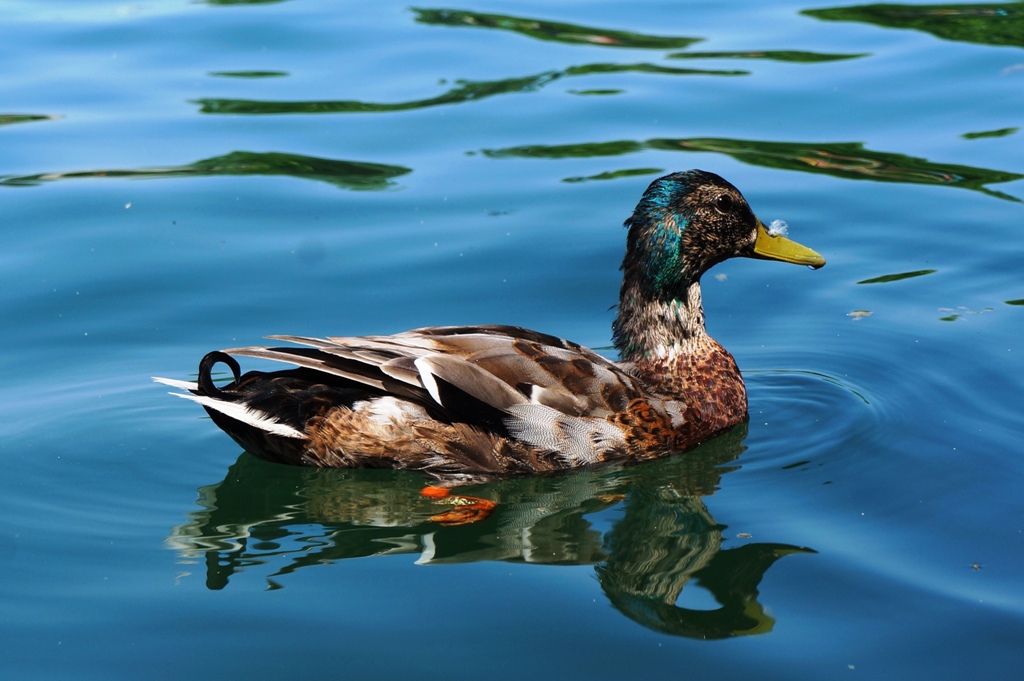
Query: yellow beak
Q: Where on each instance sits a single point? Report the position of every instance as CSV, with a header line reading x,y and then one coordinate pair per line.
x,y
776,247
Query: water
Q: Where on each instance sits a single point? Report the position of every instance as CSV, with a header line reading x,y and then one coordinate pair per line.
x,y
179,177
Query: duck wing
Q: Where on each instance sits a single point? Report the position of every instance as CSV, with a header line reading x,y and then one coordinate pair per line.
x,y
549,393
500,366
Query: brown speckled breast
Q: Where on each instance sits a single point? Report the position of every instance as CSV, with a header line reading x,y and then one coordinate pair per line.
x,y
711,392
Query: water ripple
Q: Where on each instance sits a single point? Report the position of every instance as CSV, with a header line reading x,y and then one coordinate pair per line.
x,y
798,416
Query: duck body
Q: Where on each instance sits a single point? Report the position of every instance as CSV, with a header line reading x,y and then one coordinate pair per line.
x,y
473,402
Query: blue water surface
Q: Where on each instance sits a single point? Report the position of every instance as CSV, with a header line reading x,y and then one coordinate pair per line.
x,y
184,176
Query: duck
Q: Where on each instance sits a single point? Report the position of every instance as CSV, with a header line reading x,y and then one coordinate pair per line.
x,y
471,403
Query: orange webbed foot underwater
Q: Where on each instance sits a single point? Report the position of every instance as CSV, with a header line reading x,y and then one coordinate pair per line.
x,y
466,509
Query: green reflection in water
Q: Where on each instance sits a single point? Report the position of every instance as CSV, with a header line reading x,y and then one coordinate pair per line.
x,y
848,160
581,150
595,92
249,74
951,314
467,91
1002,132
774,55
241,2
539,29
345,174
9,119
590,69
986,24
1018,301
275,520
616,174
896,277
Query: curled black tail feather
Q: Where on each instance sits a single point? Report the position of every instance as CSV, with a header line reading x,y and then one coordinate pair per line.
x,y
206,384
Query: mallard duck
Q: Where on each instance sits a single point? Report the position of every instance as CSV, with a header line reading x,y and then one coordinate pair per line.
x,y
472,402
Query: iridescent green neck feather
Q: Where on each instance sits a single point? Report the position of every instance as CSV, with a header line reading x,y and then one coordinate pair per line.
x,y
660,312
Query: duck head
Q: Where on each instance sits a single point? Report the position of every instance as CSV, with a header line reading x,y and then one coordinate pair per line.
x,y
690,221
684,224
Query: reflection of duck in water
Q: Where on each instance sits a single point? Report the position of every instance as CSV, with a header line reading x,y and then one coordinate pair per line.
x,y
467,403
662,543
662,539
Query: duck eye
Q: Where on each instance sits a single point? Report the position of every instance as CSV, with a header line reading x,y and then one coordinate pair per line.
x,y
724,204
